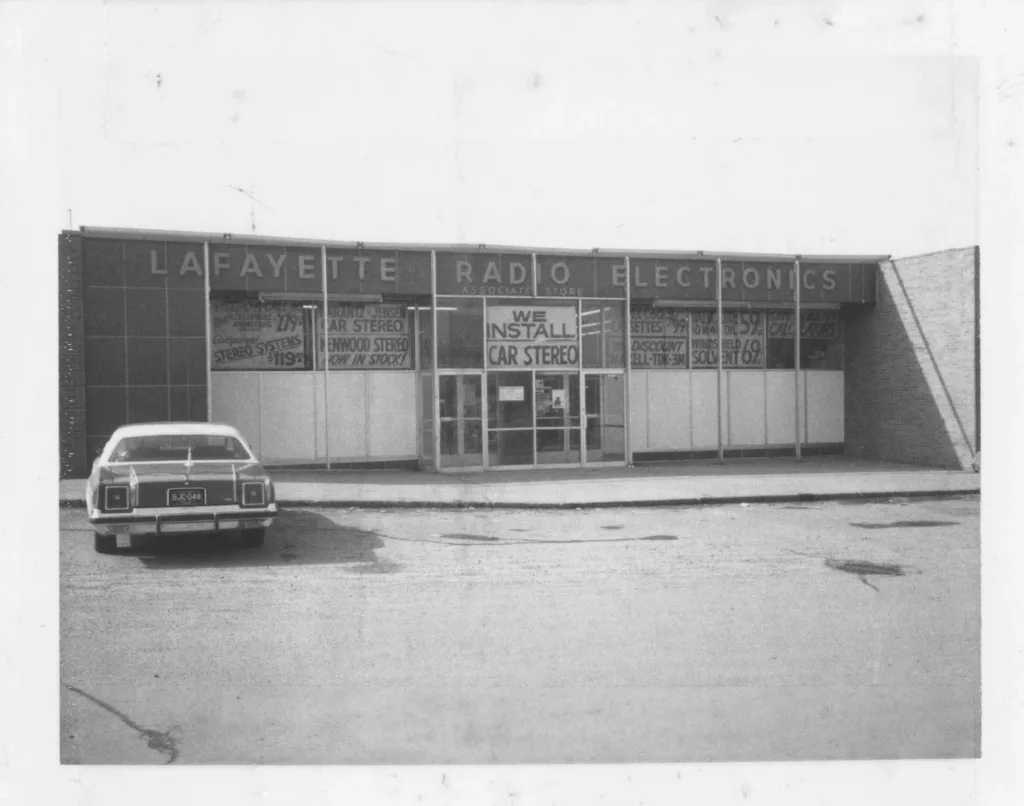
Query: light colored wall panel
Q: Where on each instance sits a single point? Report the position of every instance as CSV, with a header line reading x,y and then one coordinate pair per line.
x,y
346,424
746,407
638,437
704,409
825,394
287,417
781,410
235,400
668,400
392,415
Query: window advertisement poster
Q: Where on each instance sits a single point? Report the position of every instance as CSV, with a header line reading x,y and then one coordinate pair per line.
x,y
659,338
813,325
257,335
526,336
742,340
365,336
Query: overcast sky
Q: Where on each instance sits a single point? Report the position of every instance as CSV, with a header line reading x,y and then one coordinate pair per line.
x,y
712,126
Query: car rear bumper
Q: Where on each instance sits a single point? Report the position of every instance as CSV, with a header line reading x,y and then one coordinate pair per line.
x,y
207,520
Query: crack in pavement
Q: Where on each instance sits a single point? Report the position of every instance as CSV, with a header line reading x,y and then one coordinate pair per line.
x,y
161,741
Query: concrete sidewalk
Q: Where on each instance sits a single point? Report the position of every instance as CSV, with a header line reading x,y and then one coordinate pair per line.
x,y
675,483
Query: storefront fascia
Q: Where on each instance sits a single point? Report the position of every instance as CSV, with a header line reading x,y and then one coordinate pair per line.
x,y
517,357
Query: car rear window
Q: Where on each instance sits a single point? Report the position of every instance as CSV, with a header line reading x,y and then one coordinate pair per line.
x,y
178,448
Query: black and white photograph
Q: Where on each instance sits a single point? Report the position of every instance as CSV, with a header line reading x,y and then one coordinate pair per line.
x,y
440,393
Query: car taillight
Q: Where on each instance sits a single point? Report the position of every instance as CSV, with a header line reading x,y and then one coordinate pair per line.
x,y
116,498
253,494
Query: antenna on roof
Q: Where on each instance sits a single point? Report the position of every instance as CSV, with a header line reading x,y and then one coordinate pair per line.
x,y
253,201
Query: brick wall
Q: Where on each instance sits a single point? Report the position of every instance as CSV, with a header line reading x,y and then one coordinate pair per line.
x,y
912,369
74,462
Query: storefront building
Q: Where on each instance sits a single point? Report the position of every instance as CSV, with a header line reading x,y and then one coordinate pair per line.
x,y
450,358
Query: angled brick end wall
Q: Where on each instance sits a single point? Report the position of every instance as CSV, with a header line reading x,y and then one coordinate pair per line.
x,y
912,369
74,463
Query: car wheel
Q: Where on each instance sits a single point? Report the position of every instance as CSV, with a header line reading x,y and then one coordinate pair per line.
x,y
104,544
252,538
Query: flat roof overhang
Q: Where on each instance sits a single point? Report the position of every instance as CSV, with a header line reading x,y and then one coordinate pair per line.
x,y
266,240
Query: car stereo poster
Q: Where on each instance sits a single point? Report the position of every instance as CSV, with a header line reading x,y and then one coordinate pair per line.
x,y
254,335
373,336
524,336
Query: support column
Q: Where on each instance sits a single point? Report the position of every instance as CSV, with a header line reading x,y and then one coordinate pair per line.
x,y
209,340
796,357
435,386
718,301
327,362
628,391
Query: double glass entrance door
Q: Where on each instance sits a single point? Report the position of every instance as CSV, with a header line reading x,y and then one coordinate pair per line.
x,y
533,418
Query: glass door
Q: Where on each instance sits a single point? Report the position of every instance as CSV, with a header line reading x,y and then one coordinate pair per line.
x,y
461,412
510,419
557,406
604,407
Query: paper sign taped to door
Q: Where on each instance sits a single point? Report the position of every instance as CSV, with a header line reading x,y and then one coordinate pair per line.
x,y
511,394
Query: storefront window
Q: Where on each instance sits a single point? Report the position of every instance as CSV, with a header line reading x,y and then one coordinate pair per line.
x,y
743,340
659,338
821,343
365,336
602,331
248,334
460,333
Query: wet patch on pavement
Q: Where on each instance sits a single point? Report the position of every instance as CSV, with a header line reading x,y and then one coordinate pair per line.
x,y
460,536
610,528
658,537
863,568
904,524
378,567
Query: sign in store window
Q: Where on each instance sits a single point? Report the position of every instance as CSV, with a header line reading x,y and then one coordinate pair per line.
x,y
258,335
524,336
374,336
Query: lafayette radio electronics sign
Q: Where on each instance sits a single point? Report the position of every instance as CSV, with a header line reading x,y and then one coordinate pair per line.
x,y
366,337
524,336
252,335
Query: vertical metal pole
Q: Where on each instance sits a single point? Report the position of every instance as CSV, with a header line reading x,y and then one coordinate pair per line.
x,y
796,356
435,391
209,341
628,391
327,362
718,300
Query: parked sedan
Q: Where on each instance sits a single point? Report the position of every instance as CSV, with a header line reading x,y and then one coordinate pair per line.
x,y
178,478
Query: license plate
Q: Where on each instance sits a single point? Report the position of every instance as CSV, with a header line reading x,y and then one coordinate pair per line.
x,y
186,497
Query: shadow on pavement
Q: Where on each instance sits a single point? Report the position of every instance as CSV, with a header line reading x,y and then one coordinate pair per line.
x,y
298,537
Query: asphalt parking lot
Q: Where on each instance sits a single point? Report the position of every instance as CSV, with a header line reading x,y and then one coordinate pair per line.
x,y
762,632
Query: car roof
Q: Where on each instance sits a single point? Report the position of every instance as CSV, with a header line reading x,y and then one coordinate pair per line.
x,y
183,428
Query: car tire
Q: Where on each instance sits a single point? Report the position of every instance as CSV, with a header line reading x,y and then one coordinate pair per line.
x,y
252,538
104,544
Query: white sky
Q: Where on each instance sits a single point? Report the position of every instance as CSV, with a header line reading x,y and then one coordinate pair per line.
x,y
577,125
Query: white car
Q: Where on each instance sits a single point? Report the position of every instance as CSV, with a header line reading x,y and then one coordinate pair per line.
x,y
178,478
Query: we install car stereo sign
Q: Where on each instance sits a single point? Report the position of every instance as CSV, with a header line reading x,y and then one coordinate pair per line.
x,y
407,272
527,336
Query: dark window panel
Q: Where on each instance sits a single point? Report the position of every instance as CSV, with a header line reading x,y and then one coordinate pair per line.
x,y
104,311
185,266
105,361
105,409
147,361
139,263
187,360
102,262
147,311
186,313
147,404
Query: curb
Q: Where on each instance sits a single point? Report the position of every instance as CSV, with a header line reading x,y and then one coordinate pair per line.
x,y
867,497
